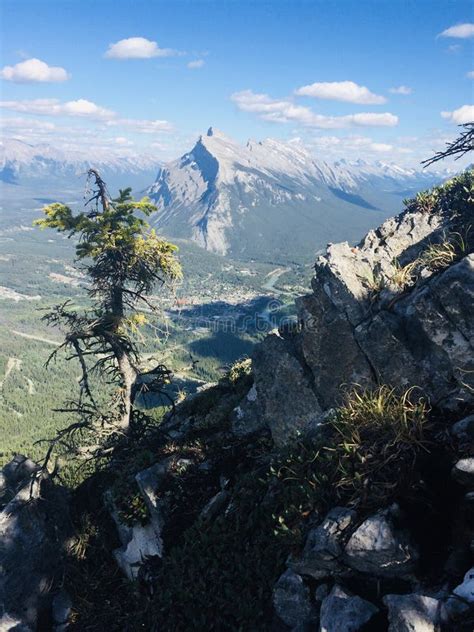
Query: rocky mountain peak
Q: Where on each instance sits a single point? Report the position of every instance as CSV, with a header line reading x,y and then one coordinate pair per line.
x,y
266,189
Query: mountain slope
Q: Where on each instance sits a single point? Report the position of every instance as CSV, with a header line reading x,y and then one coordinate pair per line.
x,y
43,165
272,199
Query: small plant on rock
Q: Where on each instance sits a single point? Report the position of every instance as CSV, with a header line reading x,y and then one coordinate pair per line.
x,y
379,435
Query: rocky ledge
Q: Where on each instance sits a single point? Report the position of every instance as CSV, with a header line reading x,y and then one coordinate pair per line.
x,y
396,309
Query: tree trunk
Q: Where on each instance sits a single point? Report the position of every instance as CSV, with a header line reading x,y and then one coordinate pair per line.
x,y
126,369
129,375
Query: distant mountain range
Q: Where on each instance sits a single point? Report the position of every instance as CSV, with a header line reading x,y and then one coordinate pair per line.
x,y
268,200
274,200
25,164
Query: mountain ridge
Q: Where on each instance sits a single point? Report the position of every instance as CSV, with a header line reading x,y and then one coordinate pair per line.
x,y
224,195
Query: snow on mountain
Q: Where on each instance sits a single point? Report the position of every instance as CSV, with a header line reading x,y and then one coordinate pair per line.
x,y
266,195
20,160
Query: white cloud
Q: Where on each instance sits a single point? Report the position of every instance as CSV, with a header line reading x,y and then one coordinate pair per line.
x,y
33,70
24,124
121,140
460,31
284,111
81,109
137,48
354,147
464,114
401,90
53,107
470,74
341,91
196,63
372,119
143,126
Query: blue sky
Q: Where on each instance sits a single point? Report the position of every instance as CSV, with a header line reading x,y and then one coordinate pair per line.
x,y
352,78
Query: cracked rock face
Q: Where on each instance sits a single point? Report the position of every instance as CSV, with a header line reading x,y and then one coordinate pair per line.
x,y
287,417
358,327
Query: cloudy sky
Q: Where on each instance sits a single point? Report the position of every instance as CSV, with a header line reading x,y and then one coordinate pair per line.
x,y
378,79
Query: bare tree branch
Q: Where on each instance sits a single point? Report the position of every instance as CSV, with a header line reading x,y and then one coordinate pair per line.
x,y
458,148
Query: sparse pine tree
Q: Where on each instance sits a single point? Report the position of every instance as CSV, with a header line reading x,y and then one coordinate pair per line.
x,y
124,260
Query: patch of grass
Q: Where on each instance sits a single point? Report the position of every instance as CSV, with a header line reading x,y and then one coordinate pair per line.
x,y
375,283
379,435
435,257
404,276
240,371
453,247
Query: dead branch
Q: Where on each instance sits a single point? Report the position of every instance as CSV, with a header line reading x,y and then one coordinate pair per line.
x,y
458,148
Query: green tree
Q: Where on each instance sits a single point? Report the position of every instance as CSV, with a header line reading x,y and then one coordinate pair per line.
x,y
124,260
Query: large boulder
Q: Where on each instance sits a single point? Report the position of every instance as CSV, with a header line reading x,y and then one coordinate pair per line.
x,y
34,529
378,547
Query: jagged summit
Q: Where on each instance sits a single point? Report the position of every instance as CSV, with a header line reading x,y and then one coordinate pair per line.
x,y
246,199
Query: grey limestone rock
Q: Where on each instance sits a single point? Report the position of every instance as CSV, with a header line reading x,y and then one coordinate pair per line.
x,y
380,548
34,529
463,472
291,599
325,545
342,611
413,613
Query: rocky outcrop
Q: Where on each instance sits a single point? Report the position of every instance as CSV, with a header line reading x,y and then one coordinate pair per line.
x,y
369,321
34,529
285,415
374,554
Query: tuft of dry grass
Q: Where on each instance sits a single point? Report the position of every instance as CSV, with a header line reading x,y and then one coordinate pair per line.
x,y
440,256
404,276
379,434
435,257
